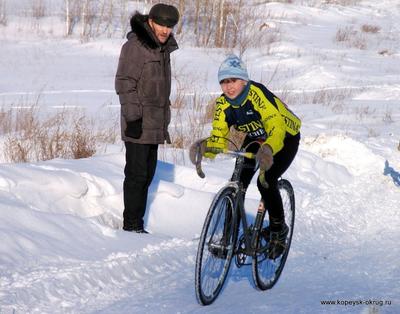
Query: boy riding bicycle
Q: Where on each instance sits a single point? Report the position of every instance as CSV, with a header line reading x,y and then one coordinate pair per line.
x,y
251,108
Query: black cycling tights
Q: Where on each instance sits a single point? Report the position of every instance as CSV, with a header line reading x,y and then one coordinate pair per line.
x,y
282,160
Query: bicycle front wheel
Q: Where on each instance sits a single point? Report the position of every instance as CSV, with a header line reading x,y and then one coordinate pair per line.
x,y
266,272
216,246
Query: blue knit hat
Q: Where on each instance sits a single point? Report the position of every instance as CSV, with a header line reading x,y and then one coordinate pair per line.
x,y
232,67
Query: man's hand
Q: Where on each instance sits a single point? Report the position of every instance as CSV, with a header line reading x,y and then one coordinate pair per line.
x,y
134,129
264,157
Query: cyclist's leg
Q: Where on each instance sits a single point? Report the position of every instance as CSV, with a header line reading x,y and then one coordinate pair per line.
x,y
248,171
249,167
271,196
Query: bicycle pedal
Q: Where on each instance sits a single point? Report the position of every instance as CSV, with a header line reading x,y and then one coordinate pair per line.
x,y
276,250
241,256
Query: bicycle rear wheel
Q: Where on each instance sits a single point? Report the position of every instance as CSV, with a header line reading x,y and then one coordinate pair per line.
x,y
266,272
216,246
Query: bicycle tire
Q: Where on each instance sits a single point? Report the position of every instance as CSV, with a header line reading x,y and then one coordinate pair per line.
x,y
211,270
266,272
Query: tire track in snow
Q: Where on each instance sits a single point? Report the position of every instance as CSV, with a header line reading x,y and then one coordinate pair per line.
x,y
86,286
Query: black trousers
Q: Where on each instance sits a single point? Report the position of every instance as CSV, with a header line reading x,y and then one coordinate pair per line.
x,y
271,196
141,163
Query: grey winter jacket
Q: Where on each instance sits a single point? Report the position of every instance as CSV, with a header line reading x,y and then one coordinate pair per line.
x,y
143,83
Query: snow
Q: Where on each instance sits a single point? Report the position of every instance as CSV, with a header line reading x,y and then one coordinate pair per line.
x,y
62,247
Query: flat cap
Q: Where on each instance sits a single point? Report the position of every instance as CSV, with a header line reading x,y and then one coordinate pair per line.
x,y
164,14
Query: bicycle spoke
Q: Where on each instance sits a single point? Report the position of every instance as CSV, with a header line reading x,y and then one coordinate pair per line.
x,y
266,271
218,218
215,247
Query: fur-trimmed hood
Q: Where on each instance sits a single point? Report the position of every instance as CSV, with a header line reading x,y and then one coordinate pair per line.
x,y
143,82
145,35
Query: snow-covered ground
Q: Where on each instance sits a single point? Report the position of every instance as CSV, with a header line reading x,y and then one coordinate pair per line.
x,y
62,249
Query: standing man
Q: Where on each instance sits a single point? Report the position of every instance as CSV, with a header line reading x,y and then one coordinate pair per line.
x,y
143,83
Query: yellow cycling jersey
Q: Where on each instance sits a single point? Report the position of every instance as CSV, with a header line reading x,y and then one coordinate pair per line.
x,y
262,115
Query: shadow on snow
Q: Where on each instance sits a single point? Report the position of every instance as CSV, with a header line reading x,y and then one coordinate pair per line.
x,y
391,172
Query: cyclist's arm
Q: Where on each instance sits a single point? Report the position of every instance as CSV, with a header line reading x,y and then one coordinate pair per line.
x,y
220,127
274,125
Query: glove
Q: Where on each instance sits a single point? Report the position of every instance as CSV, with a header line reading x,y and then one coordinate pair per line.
x,y
214,146
207,149
264,157
199,145
210,152
134,128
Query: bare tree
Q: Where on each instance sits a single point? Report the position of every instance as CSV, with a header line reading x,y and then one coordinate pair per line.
x,y
207,28
181,9
124,16
68,18
85,19
219,24
3,13
197,17
73,15
38,9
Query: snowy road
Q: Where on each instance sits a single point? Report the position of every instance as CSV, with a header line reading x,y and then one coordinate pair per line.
x,y
344,246
62,249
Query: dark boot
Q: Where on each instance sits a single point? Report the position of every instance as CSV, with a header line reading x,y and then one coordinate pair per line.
x,y
277,241
137,230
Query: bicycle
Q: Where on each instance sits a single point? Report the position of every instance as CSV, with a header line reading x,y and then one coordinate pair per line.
x,y
220,240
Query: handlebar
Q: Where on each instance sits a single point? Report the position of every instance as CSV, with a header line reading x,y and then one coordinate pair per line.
x,y
233,153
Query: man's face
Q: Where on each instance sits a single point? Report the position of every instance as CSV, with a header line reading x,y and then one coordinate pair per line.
x,y
162,32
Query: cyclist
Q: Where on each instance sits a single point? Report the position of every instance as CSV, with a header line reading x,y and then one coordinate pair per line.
x,y
251,108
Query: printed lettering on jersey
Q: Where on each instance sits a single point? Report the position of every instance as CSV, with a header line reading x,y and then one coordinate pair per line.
x,y
255,129
218,108
260,133
217,113
256,99
292,124
271,116
271,131
250,127
214,139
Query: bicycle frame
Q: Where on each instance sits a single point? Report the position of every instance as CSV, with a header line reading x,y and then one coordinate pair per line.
x,y
250,234
224,219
